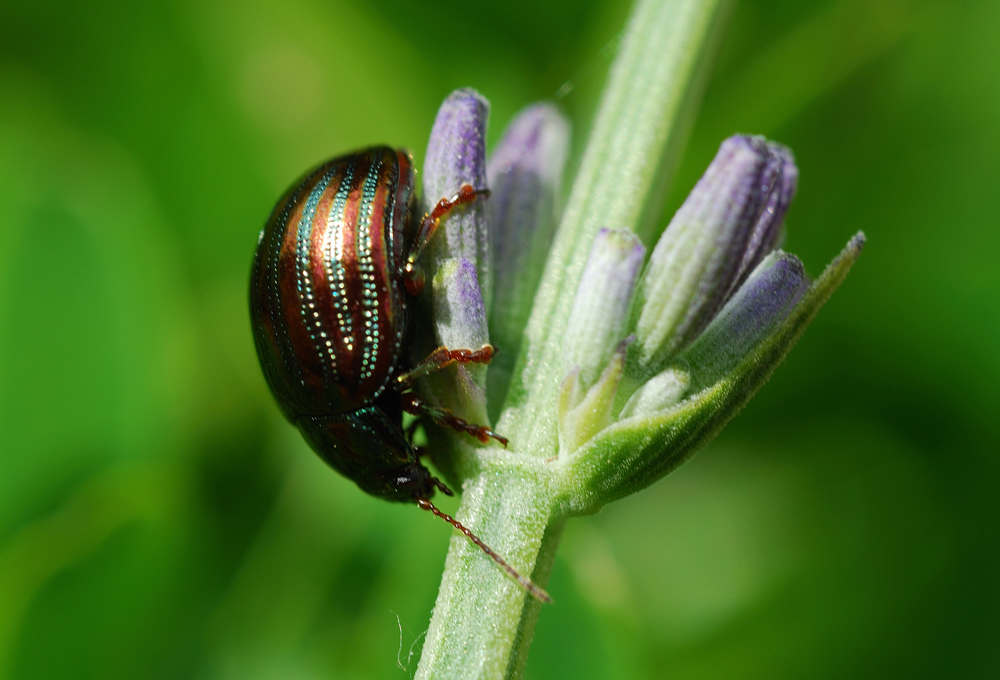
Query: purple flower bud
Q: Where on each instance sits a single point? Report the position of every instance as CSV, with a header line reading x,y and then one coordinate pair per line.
x,y
460,321
459,312
747,318
727,225
780,181
525,175
456,155
603,300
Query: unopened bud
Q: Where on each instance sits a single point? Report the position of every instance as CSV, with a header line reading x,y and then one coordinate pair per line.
x,y
600,315
728,223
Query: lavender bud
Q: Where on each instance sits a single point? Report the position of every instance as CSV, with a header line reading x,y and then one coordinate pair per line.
x,y
598,321
460,322
456,155
780,181
748,317
459,311
728,223
525,178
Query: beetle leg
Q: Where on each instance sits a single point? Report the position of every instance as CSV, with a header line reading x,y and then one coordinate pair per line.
x,y
432,220
523,581
443,357
418,407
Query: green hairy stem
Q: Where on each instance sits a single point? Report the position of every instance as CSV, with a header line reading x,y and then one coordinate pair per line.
x,y
517,500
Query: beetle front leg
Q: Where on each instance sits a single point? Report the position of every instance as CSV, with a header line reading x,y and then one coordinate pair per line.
x,y
412,276
432,220
443,357
415,405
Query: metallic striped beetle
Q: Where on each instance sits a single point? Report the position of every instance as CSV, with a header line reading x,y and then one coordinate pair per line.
x,y
333,275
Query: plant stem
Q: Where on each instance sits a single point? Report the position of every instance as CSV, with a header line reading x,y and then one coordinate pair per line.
x,y
481,616
483,622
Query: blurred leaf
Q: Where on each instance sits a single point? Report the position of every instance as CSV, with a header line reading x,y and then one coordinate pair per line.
x,y
786,560
93,338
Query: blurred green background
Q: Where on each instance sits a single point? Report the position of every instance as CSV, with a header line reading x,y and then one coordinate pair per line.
x,y
159,520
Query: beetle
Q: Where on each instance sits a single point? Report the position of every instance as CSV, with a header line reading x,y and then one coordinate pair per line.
x,y
334,276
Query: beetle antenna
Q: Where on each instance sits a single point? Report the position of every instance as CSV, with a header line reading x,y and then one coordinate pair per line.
x,y
442,487
523,581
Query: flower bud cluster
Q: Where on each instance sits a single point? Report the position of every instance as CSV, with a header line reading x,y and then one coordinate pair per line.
x,y
713,289
656,356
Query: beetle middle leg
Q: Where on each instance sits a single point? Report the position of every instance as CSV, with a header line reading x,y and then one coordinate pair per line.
x,y
441,358
417,406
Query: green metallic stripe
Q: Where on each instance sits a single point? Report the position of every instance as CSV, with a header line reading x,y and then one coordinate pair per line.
x,y
312,320
341,338
368,307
